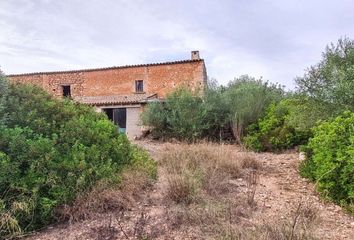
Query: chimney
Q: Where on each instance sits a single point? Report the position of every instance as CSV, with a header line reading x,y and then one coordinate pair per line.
x,y
195,55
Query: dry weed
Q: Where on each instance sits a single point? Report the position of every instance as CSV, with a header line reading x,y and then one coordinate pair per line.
x,y
252,180
297,226
181,188
104,197
202,168
250,161
8,225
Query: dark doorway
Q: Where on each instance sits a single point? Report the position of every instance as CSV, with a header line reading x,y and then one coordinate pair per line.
x,y
66,91
109,112
118,116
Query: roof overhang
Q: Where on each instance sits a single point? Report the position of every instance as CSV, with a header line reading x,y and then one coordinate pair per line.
x,y
117,99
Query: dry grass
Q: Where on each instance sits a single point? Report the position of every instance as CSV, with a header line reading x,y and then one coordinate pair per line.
x,y
106,198
202,169
199,177
181,188
298,225
9,226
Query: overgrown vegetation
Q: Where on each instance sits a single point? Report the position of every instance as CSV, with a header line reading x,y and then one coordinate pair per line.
x,y
182,116
279,129
330,159
260,114
331,80
263,117
247,100
192,116
52,151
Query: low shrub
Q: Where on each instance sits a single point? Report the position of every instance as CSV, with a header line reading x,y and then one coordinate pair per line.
x,y
330,158
180,117
52,151
275,132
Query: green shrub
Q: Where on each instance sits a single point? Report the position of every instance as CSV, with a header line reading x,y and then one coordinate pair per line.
x,y
51,151
184,115
274,132
191,116
330,158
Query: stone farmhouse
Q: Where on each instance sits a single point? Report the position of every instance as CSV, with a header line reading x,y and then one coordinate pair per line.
x,y
121,92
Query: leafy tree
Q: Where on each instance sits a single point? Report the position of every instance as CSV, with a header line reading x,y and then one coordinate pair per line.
x,y
155,116
331,81
181,116
4,88
248,98
218,112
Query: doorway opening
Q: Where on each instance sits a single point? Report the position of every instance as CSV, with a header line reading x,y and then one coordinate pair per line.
x,y
66,91
119,117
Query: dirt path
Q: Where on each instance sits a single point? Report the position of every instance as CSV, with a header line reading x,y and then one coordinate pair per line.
x,y
280,189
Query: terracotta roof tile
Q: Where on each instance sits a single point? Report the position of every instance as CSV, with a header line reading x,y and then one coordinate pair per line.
x,y
116,99
108,68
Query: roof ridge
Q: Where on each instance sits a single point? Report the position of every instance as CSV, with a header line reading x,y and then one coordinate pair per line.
x,y
108,68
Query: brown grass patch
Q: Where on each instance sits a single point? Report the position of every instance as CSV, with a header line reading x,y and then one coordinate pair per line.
x,y
199,176
202,168
106,197
298,225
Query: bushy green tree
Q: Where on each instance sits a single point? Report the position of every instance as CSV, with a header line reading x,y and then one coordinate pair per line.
x,y
4,88
187,115
155,116
331,81
248,98
330,158
323,92
306,112
51,151
181,116
218,111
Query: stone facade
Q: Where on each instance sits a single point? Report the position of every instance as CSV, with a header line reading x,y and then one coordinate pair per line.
x,y
159,79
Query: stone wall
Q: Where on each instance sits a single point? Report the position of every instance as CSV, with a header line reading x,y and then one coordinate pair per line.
x,y
158,78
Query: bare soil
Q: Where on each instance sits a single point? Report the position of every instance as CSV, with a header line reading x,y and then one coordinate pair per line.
x,y
279,192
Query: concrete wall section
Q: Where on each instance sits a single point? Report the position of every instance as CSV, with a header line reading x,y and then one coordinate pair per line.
x,y
133,122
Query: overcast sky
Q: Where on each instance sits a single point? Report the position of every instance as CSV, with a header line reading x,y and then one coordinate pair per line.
x,y
276,39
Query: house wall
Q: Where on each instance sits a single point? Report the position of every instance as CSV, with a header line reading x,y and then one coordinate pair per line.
x,y
158,78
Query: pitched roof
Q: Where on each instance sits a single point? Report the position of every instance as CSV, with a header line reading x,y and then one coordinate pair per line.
x,y
109,68
117,99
